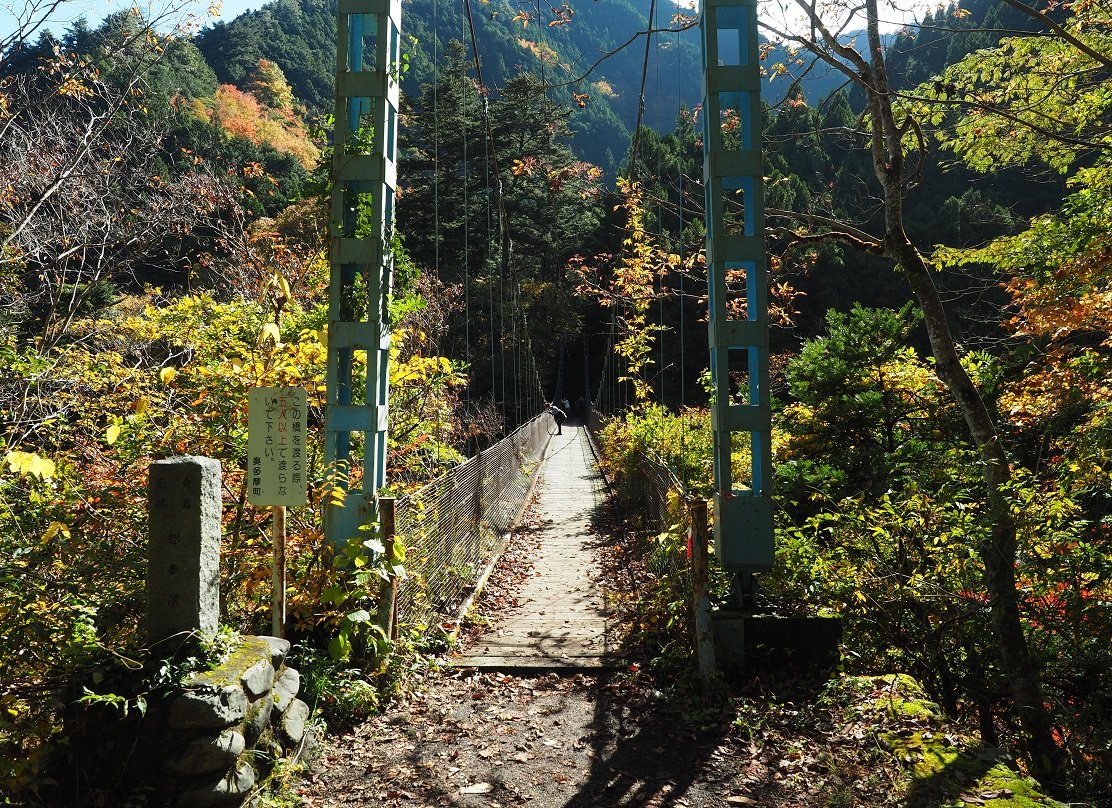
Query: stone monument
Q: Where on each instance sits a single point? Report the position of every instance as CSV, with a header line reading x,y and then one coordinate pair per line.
x,y
183,571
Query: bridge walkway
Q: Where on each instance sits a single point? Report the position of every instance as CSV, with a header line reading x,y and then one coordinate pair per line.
x,y
560,619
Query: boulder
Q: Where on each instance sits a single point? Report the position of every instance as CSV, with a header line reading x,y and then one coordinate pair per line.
x,y
207,754
286,687
228,790
208,707
292,723
258,679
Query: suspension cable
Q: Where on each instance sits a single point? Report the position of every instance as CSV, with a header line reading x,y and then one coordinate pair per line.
x,y
683,296
503,219
435,141
467,268
641,103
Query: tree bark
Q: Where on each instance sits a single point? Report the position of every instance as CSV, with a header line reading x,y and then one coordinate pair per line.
x,y
998,550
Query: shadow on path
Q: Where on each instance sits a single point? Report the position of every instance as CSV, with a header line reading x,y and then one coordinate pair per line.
x,y
644,753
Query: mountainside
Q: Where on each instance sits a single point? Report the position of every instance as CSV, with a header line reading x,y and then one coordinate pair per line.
x,y
578,51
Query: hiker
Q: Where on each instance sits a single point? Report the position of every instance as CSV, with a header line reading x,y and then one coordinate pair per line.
x,y
559,416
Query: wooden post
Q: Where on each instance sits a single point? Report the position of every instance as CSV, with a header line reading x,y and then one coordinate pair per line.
x,y
278,598
704,630
388,604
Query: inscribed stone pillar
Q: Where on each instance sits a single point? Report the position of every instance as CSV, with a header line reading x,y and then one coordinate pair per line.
x,y
183,568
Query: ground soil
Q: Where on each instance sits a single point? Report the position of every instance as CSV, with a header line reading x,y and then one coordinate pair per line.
x,y
632,736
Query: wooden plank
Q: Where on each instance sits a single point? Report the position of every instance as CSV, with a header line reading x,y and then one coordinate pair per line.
x,y
560,621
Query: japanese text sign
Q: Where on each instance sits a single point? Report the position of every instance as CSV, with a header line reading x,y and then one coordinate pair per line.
x,y
276,467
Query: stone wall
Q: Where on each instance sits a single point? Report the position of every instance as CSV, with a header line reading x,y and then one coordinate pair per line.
x,y
221,729
229,725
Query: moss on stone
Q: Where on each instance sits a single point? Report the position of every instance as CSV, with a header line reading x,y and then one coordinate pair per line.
x,y
250,651
897,695
943,774
946,770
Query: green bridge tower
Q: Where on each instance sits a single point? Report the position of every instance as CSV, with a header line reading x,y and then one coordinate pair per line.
x,y
733,179
364,176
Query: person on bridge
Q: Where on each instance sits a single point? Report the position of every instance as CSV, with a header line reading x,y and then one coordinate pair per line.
x,y
559,416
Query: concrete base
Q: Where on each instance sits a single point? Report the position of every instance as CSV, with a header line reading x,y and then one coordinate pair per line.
x,y
764,642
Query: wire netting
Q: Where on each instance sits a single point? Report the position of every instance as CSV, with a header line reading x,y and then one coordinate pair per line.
x,y
453,526
655,505
664,513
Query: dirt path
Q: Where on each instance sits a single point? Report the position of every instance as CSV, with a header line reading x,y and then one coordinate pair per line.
x,y
496,740
618,739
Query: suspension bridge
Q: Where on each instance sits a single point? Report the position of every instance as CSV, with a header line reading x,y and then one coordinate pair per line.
x,y
454,526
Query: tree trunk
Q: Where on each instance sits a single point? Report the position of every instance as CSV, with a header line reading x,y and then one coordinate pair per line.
x,y
998,552
886,136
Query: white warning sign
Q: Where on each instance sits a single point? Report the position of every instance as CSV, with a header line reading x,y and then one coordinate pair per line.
x,y
276,473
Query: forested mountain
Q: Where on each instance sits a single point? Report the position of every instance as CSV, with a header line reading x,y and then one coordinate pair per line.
x,y
299,35
588,54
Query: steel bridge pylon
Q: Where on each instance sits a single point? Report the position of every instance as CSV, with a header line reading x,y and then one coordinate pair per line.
x,y
734,186
364,176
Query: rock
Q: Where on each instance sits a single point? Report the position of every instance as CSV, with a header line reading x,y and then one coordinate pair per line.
x,y
208,707
286,687
258,679
258,716
229,789
204,755
279,648
293,721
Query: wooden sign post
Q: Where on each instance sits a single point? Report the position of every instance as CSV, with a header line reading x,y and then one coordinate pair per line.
x,y
276,470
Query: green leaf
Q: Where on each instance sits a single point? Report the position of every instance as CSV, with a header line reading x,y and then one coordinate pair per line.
x,y
359,616
339,648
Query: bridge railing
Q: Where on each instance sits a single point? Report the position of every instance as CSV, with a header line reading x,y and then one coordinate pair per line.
x,y
665,511
453,526
657,505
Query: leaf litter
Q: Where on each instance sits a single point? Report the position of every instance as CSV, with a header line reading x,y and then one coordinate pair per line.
x,y
636,738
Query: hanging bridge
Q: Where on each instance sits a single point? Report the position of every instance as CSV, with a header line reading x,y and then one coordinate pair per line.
x,y
454,526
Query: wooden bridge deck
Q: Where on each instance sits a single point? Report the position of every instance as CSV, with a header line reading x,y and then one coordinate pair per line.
x,y
560,621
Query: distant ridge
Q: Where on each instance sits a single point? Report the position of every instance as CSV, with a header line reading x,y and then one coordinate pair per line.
x,y
299,35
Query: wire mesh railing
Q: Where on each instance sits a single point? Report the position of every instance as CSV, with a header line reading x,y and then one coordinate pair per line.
x,y
655,504
664,511
453,526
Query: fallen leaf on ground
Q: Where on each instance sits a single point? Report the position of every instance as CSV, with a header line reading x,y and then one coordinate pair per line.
x,y
739,800
477,788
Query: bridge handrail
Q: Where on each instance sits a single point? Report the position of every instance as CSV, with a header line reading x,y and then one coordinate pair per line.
x,y
657,515
454,525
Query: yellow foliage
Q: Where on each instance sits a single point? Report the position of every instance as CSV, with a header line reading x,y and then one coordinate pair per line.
x,y
31,464
270,332
55,529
